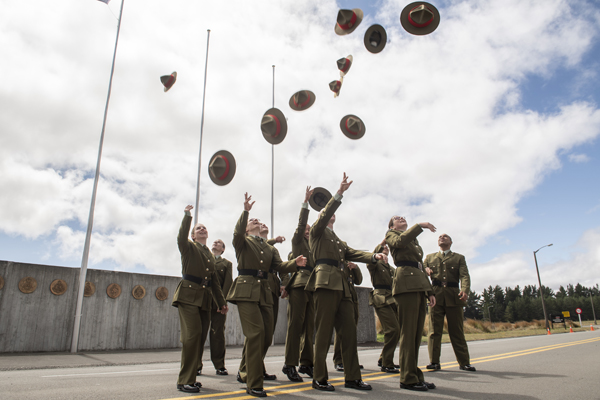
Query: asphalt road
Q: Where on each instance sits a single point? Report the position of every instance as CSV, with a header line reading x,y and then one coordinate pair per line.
x,y
565,366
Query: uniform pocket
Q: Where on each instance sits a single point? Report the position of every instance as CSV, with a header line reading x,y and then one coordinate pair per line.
x,y
411,279
243,289
187,295
322,276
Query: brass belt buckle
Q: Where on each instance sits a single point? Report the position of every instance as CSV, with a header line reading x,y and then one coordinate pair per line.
x,y
444,284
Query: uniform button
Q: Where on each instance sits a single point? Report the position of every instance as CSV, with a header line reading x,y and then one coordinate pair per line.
x,y
204,287
258,281
340,250
332,240
338,242
207,269
244,281
261,261
190,285
262,252
411,273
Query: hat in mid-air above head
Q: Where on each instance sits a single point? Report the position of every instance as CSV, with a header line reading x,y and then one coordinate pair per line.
x,y
274,126
375,38
420,18
168,80
336,86
353,127
348,21
344,64
221,167
319,198
302,100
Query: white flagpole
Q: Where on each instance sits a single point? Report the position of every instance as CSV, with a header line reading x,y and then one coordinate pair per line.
x,y
273,170
201,130
88,235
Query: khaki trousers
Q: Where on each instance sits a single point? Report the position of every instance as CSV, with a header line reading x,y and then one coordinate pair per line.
x,y
194,328
300,329
411,313
455,317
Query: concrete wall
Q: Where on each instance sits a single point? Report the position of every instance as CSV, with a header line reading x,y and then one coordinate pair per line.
x,y
43,321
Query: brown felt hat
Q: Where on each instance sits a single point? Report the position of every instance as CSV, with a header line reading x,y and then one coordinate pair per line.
x,y
274,126
221,167
375,38
348,21
353,127
302,100
168,80
420,18
344,64
336,86
319,198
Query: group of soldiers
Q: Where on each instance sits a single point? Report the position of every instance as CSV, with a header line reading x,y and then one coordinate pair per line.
x,y
318,279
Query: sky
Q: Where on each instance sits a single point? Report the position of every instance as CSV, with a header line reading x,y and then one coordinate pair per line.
x,y
487,128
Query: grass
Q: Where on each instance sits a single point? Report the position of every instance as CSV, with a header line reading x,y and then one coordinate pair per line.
x,y
485,330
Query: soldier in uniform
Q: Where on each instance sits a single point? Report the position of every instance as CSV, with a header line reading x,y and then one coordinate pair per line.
x,y
193,298
252,294
382,276
410,289
217,320
332,296
354,277
300,309
446,270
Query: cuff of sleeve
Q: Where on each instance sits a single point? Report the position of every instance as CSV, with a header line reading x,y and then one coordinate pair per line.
x,y
337,196
305,205
189,214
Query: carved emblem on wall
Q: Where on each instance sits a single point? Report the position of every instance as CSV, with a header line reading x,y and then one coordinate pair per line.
x,y
28,285
113,290
138,292
162,293
58,287
1,282
90,289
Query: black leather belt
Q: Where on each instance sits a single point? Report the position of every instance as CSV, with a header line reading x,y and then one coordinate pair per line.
x,y
387,287
309,269
195,279
435,282
254,272
328,261
403,263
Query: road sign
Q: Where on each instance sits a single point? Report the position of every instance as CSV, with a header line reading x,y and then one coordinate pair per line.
x,y
566,314
578,310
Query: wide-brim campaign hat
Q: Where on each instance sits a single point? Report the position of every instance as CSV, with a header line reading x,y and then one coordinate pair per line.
x,y
221,167
375,38
348,21
168,80
335,87
344,64
302,100
319,198
420,18
274,126
353,127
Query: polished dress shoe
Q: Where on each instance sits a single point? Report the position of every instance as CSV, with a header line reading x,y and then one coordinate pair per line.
x,y
326,386
361,366
188,388
414,386
434,366
222,371
339,367
357,384
306,370
268,377
239,378
380,364
291,373
256,392
390,370
429,385
468,367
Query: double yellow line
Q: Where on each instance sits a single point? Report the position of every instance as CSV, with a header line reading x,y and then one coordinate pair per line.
x,y
301,387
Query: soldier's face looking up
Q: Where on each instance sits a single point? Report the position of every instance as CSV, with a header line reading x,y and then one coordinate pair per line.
x,y
218,246
399,223
199,232
444,240
264,229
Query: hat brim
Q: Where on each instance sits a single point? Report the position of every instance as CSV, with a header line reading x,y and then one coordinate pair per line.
x,y
415,30
319,198
347,132
359,17
165,78
283,123
382,43
230,174
351,59
304,107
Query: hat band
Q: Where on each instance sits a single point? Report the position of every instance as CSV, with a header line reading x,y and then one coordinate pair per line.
x,y
337,86
278,130
170,81
349,130
302,104
414,23
349,24
226,168
346,66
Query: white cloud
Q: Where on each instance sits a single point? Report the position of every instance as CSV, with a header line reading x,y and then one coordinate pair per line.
x,y
579,158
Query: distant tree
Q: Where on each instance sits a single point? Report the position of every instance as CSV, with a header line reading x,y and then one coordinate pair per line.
x,y
570,290
512,294
562,293
548,292
579,292
529,291
473,309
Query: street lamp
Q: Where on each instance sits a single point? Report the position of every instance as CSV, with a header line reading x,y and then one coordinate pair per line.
x,y
540,282
593,311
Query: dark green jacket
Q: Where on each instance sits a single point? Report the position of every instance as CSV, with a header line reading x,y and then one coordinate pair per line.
x,y
405,247
449,268
381,273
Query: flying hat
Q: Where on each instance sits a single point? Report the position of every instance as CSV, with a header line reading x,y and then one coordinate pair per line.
x,y
302,100
221,167
348,21
319,198
353,127
274,126
375,38
344,65
420,18
336,86
168,80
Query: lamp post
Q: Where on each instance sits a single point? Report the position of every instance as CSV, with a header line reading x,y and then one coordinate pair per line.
x,y
540,282
593,311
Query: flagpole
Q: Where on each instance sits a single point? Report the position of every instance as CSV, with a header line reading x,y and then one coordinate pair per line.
x,y
88,235
201,130
273,170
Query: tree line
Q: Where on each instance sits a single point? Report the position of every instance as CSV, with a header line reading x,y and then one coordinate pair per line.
x,y
511,305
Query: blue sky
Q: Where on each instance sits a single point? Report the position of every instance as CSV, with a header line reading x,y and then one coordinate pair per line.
x,y
488,128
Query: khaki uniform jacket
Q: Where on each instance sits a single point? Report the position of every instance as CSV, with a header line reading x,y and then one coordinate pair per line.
x,y
224,269
405,247
196,260
254,253
300,247
324,244
274,281
381,273
354,277
449,268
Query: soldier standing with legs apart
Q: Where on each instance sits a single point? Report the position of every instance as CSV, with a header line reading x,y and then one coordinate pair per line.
x,y
446,270
193,298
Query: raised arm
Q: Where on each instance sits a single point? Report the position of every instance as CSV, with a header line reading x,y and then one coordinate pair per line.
x,y
184,230
399,239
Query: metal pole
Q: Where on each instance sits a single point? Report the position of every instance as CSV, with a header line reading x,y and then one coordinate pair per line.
x,y
88,235
201,130
593,311
540,282
273,170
